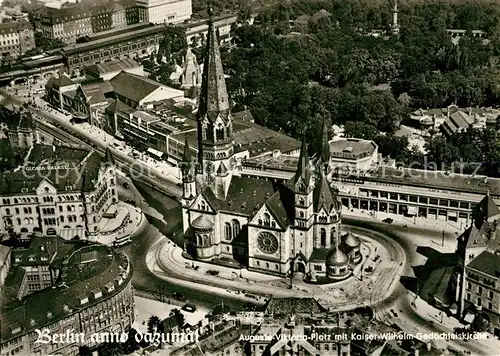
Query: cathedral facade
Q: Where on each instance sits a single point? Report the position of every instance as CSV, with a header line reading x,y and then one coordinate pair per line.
x,y
269,227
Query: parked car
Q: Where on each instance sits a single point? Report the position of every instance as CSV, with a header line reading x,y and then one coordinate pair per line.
x,y
179,296
212,272
126,185
388,221
189,308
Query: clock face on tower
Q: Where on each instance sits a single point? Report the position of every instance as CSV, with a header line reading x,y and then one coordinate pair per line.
x,y
267,242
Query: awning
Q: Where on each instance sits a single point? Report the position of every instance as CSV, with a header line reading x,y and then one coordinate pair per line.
x,y
412,210
154,152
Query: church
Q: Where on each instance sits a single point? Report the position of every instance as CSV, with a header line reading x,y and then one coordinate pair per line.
x,y
269,227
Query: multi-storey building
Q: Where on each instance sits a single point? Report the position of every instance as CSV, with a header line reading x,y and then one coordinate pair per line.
x,y
66,24
60,190
107,16
16,38
5,259
80,286
164,11
477,285
19,128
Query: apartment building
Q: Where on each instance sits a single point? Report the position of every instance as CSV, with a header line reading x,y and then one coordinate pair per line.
x,y
66,23
16,38
60,190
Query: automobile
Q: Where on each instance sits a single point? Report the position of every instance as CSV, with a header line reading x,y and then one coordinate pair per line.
x,y
212,272
189,308
250,307
369,269
179,296
388,221
126,185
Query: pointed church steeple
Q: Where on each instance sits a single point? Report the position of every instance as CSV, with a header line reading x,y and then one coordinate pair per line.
x,y
108,157
215,122
324,153
214,100
303,169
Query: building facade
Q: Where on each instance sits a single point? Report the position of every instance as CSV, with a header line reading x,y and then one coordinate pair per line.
x,y
477,287
271,228
70,295
164,11
60,190
16,38
66,24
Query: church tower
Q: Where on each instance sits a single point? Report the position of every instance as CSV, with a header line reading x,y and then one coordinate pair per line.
x,y
303,185
215,122
188,174
188,170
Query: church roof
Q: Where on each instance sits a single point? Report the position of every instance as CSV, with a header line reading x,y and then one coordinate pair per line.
x,y
351,240
222,170
186,157
213,99
336,258
246,196
202,222
324,196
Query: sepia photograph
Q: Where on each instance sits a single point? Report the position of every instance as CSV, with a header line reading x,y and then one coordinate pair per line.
x,y
249,177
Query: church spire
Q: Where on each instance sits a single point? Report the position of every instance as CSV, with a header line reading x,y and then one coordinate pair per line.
x,y
214,99
324,153
303,169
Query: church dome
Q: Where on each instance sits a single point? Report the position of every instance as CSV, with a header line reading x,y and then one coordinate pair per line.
x,y
202,222
351,240
336,258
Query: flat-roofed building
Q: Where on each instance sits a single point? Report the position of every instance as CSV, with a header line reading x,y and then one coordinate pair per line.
x,y
353,155
425,193
164,11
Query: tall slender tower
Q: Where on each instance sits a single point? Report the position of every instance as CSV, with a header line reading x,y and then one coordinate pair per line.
x,y
215,122
395,24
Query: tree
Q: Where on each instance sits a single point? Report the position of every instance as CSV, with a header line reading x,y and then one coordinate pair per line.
x,y
110,349
84,351
173,45
179,317
131,344
153,323
481,323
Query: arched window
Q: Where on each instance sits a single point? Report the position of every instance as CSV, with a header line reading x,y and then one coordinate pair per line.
x,y
7,211
18,221
332,236
267,219
323,237
227,231
260,221
301,214
236,227
302,201
219,133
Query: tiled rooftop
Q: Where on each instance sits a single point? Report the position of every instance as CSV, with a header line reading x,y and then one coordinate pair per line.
x,y
113,66
45,306
488,263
